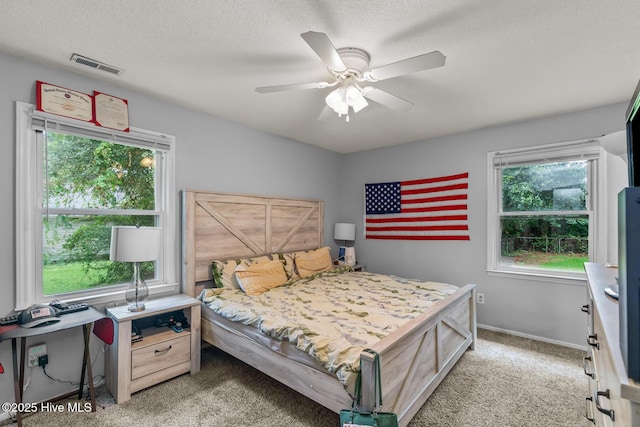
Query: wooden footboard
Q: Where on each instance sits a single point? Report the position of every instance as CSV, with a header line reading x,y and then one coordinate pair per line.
x,y
415,358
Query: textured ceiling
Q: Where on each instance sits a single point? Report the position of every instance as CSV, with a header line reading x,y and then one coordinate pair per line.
x,y
507,60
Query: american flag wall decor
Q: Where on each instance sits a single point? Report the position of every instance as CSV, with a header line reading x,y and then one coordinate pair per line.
x,y
421,209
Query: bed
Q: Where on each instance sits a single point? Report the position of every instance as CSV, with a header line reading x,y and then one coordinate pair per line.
x,y
415,357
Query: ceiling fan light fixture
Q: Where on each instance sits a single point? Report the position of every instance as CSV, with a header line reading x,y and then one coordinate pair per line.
x,y
352,93
355,99
337,101
344,97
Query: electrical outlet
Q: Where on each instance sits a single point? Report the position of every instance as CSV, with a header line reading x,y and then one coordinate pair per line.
x,y
480,298
35,352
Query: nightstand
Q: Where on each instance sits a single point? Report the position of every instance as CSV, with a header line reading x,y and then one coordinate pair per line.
x,y
160,355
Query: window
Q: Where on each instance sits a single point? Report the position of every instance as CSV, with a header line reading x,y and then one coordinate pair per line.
x,y
74,182
543,211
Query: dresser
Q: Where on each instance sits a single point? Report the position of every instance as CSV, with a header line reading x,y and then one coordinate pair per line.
x,y
612,398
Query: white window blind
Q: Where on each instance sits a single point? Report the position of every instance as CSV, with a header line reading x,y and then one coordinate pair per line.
x,y
43,121
565,152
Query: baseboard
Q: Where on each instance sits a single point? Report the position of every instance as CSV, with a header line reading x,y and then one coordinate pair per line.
x,y
532,337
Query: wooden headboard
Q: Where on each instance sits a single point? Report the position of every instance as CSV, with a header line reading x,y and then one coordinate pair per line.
x,y
224,225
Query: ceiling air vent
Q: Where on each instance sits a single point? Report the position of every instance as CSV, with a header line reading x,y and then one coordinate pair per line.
x,y
83,60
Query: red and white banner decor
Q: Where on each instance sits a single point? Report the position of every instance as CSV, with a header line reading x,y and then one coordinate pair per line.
x,y
421,209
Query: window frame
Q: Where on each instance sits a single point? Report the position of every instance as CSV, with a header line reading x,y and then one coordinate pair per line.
x,y
596,207
29,206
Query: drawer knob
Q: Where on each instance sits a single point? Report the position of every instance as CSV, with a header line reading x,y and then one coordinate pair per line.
x,y
163,351
596,398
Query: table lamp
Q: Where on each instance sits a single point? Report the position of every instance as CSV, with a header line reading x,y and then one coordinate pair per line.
x,y
345,232
136,245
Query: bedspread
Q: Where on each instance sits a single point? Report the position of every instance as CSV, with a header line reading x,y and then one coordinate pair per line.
x,y
332,316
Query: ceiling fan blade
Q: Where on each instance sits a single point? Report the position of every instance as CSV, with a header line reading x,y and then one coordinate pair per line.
x,y
323,47
294,86
423,62
386,99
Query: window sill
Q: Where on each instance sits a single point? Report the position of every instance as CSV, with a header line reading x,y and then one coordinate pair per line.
x,y
540,277
112,297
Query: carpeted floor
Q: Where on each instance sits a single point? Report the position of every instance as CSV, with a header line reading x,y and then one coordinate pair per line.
x,y
506,381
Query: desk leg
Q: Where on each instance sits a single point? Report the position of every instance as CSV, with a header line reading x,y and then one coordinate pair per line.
x,y
86,365
84,362
23,355
17,375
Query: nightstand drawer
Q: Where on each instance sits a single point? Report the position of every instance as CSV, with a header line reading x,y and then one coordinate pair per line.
x,y
160,355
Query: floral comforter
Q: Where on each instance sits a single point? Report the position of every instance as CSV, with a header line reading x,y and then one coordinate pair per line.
x,y
332,316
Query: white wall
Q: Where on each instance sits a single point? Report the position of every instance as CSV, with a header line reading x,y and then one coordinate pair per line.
x,y
529,307
211,154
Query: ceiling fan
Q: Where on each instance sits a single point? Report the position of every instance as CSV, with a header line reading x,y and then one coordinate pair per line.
x,y
350,68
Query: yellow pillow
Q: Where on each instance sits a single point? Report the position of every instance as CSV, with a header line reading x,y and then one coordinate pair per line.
x,y
308,263
224,270
255,279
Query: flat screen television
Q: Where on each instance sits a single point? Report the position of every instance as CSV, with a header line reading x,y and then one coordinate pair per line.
x,y
633,138
629,247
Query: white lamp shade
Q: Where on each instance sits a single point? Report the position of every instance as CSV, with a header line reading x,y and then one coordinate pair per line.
x,y
135,244
344,231
337,100
615,143
355,99
359,103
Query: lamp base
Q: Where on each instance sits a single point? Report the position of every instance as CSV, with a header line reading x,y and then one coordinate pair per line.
x,y
136,307
137,292
341,252
350,256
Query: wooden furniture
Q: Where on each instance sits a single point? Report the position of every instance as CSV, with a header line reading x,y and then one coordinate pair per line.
x,y
162,353
84,318
359,267
414,359
613,399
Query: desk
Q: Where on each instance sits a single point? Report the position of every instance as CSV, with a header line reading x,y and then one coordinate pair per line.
x,y
82,318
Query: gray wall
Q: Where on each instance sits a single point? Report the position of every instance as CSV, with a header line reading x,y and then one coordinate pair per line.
x,y
211,154
528,307
214,154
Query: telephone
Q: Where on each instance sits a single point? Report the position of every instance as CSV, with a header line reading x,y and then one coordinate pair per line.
x,y
38,315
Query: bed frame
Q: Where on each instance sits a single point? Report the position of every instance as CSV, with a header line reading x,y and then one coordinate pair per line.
x,y
414,359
